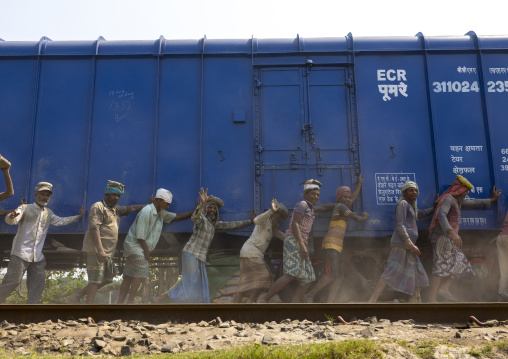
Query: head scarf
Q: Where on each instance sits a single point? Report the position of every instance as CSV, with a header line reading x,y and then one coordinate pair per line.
x,y
44,186
341,191
214,200
311,184
459,186
115,188
407,185
165,195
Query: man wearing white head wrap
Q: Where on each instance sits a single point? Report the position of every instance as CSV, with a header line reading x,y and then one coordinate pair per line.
x,y
296,260
404,271
142,239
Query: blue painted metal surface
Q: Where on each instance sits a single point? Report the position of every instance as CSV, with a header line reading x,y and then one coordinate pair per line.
x,y
251,119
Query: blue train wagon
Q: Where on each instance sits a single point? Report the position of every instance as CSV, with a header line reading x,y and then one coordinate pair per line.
x,y
251,119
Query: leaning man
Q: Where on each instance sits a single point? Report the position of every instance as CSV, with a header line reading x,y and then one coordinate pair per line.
x,y
100,241
33,221
142,239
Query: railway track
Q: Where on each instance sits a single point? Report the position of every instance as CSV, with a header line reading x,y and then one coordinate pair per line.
x,y
445,313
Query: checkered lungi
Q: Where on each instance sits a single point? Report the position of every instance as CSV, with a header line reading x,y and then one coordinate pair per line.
x,y
136,266
294,265
254,274
404,272
449,260
100,272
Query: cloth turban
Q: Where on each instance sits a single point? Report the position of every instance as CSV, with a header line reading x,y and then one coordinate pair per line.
x,y
165,195
408,184
341,191
311,184
115,188
216,200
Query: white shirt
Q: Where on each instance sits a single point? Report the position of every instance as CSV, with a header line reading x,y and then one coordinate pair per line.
x,y
33,226
256,245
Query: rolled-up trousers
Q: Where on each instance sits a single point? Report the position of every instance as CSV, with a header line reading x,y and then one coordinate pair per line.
x,y
34,282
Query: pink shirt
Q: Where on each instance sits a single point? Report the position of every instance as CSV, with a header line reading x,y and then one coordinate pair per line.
x,y
307,210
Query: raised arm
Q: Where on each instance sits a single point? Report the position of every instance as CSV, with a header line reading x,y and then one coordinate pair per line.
x,y
8,183
356,192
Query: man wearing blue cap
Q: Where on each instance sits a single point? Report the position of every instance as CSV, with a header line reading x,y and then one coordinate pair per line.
x,y
100,241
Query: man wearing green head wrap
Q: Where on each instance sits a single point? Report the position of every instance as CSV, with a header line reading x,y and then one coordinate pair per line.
x,y
100,241
404,272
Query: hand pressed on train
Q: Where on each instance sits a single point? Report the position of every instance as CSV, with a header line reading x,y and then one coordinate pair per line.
x,y
495,194
275,207
203,195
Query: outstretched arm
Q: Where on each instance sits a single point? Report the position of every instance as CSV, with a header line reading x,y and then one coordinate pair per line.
x,y
185,215
325,207
357,218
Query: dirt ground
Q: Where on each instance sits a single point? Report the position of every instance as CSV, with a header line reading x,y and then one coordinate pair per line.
x,y
117,338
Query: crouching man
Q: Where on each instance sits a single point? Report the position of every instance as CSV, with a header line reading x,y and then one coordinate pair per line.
x,y
255,276
142,239
26,255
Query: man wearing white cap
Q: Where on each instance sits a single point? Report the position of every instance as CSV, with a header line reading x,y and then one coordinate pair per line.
x,y
142,239
26,254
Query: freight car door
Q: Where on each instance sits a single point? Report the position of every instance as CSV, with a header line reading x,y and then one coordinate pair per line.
x,y
303,130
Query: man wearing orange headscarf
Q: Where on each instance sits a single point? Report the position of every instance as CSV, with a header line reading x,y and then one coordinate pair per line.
x,y
334,240
449,260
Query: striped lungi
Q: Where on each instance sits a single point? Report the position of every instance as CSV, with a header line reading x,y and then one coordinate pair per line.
x,y
404,272
254,274
449,260
136,266
294,265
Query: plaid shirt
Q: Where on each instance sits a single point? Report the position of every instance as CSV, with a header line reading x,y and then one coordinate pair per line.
x,y
203,232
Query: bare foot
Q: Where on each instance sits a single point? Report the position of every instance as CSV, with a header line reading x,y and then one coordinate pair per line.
x,y
307,299
74,298
447,296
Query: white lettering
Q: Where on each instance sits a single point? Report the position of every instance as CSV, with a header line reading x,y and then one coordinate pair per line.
x,y
381,75
401,75
390,75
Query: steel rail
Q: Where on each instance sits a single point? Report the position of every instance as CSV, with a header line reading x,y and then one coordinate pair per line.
x,y
444,313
